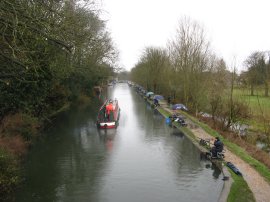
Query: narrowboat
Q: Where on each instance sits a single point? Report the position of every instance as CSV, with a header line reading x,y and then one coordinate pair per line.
x,y
108,115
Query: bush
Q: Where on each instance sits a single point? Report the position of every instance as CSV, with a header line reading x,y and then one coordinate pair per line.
x,y
19,125
83,100
9,174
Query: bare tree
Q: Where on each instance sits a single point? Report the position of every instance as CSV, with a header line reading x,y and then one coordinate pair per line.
x,y
189,53
151,71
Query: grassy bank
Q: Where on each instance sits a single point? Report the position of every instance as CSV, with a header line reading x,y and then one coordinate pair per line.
x,y
254,102
239,192
259,107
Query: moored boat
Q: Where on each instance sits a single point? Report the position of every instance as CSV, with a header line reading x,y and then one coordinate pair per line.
x,y
108,115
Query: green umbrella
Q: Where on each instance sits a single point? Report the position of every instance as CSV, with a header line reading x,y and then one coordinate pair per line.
x,y
149,93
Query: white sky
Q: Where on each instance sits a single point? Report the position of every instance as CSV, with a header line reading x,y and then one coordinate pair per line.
x,y
235,28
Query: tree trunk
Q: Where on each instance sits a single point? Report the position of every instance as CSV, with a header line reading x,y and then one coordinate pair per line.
x,y
266,89
155,88
252,90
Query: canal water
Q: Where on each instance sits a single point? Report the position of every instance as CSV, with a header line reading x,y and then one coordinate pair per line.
x,y
143,160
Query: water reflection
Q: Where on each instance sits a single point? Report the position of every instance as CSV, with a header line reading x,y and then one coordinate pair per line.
x,y
107,136
216,170
142,160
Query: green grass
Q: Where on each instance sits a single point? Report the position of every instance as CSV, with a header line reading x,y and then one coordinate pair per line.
x,y
260,113
239,192
259,108
258,103
163,112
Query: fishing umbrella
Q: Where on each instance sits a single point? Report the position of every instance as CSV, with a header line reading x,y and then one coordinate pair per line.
x,y
143,91
158,97
149,93
179,106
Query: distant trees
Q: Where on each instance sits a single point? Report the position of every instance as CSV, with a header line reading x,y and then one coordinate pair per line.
x,y
50,51
150,71
258,69
192,74
182,69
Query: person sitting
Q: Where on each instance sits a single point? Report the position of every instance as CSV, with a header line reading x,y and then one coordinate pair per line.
x,y
156,102
218,147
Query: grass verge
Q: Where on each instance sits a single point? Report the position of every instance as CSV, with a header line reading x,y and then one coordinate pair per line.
x,y
239,191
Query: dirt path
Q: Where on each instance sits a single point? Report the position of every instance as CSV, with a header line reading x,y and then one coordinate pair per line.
x,y
258,185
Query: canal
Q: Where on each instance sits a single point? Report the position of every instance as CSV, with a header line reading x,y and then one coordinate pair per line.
x,y
142,160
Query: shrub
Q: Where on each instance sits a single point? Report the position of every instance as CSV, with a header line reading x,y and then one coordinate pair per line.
x,y
9,174
19,124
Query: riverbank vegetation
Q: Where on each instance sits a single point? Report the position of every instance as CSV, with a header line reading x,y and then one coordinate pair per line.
x,y
52,53
189,72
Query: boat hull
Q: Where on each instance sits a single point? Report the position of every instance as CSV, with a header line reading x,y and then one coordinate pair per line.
x,y
107,125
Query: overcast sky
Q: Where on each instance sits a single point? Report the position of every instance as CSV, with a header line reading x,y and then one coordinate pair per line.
x,y
235,28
